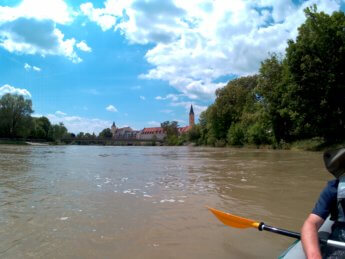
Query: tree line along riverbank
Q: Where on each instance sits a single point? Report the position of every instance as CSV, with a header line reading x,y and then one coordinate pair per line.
x,y
294,101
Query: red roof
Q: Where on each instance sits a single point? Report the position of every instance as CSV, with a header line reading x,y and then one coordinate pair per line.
x,y
155,130
184,129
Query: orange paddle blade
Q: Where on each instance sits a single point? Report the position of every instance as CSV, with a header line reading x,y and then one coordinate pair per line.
x,y
234,221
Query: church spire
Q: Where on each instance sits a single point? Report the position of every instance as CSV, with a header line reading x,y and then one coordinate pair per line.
x,y
191,116
191,110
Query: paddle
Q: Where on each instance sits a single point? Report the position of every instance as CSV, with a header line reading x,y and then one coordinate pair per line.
x,y
239,222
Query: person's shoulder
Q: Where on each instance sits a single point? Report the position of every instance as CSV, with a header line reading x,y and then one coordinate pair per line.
x,y
333,183
331,187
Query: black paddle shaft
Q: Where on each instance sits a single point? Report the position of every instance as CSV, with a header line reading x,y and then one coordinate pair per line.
x,y
280,231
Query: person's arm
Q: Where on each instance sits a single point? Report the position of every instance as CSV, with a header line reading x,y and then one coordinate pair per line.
x,y
309,236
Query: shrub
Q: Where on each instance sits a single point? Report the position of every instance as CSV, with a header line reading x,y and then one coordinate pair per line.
x,y
236,135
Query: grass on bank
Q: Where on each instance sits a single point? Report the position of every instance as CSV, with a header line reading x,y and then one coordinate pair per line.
x,y
12,142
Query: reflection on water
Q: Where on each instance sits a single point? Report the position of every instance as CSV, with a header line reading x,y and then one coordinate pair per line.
x,y
149,202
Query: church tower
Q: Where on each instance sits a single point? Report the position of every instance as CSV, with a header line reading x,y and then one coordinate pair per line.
x,y
191,116
113,129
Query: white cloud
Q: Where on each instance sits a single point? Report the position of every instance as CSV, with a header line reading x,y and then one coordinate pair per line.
x,y
111,108
179,121
7,89
78,124
196,43
172,97
36,68
197,108
31,36
103,17
154,123
30,28
142,98
83,46
60,113
55,10
28,67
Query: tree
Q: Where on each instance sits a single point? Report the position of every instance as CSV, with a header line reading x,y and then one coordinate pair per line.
x,y
194,133
105,134
273,92
316,61
231,102
41,128
58,131
80,135
15,115
171,129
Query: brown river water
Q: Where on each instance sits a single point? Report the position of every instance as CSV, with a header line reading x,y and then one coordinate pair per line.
x,y
149,202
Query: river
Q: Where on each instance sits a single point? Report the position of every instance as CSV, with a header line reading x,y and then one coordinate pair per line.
x,y
149,202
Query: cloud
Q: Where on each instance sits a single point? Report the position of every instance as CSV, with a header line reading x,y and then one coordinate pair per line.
x,y
154,123
28,67
111,108
30,28
78,124
194,44
55,10
83,46
7,89
60,113
36,68
173,97
142,98
31,36
103,17
197,108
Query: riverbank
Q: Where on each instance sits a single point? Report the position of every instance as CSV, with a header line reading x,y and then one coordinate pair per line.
x,y
12,142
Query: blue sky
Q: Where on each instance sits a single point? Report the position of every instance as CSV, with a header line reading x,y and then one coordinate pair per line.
x,y
136,62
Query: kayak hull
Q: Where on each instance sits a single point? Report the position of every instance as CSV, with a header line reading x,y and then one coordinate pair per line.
x,y
295,251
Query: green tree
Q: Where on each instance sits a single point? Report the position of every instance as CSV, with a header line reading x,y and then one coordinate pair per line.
x,y
194,134
275,99
171,129
105,134
316,61
231,102
41,128
58,131
236,135
15,116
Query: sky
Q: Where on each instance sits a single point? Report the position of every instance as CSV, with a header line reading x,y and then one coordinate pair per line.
x,y
137,62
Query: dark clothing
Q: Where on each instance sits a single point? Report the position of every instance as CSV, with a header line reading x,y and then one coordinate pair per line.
x,y
327,203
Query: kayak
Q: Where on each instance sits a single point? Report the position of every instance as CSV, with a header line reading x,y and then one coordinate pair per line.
x,y
295,251
333,247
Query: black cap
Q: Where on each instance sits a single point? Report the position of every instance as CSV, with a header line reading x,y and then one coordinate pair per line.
x,y
335,161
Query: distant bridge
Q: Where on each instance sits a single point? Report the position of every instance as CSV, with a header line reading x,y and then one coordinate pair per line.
x,y
111,141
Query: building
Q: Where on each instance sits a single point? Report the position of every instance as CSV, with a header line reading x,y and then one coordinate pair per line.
x,y
123,133
152,133
155,133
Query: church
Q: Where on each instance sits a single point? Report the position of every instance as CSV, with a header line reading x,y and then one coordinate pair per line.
x,y
149,133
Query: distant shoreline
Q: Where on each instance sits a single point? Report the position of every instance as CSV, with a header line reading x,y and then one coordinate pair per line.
x,y
297,146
